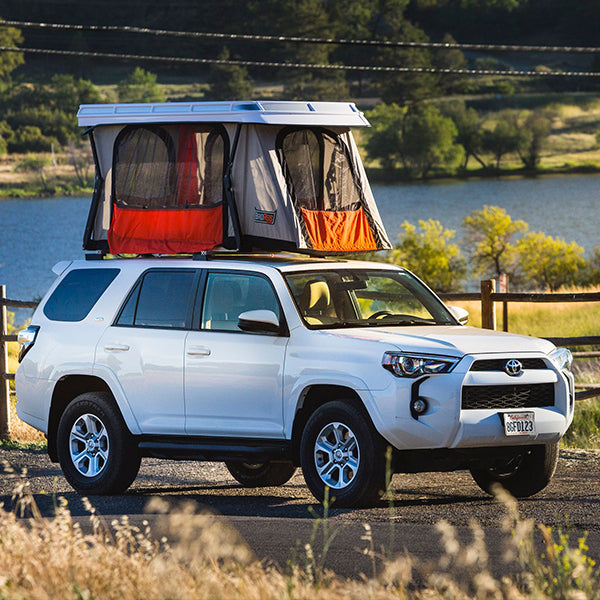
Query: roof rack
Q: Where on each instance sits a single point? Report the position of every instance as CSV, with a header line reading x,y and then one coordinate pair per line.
x,y
267,112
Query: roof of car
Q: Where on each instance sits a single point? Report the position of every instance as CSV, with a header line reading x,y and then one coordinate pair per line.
x,y
284,262
267,112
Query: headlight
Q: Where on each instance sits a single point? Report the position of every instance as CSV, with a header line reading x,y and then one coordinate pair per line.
x,y
414,365
562,358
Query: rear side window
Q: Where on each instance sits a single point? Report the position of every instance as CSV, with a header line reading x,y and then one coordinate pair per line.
x,y
77,293
161,299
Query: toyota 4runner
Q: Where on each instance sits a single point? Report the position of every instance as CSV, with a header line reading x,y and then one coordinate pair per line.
x,y
270,363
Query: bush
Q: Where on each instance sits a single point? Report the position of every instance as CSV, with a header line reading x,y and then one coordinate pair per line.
x,y
430,254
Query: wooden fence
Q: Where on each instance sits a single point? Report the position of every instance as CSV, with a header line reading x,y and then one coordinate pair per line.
x,y
5,376
488,298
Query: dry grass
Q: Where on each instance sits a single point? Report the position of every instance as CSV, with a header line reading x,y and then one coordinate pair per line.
x,y
200,557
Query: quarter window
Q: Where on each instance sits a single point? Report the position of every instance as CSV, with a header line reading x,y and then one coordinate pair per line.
x,y
77,293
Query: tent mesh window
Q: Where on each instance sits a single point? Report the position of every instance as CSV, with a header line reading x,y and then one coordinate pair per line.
x,y
179,166
319,170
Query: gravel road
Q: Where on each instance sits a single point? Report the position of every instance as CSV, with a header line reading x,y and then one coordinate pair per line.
x,y
274,520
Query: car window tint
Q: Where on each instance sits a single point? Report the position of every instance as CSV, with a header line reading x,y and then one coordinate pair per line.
x,y
230,294
77,293
164,300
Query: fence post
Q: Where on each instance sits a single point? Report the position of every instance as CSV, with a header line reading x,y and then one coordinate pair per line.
x,y
488,309
4,387
503,289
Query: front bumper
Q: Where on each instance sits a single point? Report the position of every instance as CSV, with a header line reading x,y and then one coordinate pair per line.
x,y
446,424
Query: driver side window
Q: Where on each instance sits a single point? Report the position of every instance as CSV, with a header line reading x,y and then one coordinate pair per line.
x,y
227,295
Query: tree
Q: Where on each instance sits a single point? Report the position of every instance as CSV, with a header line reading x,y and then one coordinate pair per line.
x,y
449,58
505,137
303,18
140,86
489,239
431,255
67,93
469,130
10,37
428,140
229,82
550,262
536,130
384,136
592,271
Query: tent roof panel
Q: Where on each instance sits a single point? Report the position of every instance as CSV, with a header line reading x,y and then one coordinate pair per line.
x,y
268,112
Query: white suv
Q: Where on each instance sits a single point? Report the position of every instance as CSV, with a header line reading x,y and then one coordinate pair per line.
x,y
269,363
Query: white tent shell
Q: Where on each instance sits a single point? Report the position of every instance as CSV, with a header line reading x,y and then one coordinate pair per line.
x,y
277,194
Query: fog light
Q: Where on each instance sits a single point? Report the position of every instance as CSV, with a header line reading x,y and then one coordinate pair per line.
x,y
419,406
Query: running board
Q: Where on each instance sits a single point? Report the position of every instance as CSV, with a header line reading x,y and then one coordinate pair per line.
x,y
217,449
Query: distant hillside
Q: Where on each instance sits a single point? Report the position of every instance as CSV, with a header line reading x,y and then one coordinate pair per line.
x,y
494,21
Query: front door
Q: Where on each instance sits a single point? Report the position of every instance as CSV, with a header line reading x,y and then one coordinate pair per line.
x,y
234,379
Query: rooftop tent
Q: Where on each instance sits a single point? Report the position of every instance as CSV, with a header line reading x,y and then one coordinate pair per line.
x,y
186,177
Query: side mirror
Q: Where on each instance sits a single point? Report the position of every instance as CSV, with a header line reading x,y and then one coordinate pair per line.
x,y
460,314
259,321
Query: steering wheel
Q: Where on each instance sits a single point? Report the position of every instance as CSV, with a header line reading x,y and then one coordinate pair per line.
x,y
380,313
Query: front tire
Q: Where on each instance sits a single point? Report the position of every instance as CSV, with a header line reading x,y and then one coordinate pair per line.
x,y
96,451
267,474
526,475
341,450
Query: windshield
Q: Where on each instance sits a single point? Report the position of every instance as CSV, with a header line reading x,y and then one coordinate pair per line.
x,y
364,298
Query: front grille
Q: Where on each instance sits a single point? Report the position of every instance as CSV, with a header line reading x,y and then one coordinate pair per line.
x,y
498,364
508,396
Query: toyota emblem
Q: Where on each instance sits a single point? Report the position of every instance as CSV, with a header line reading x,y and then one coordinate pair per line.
x,y
513,367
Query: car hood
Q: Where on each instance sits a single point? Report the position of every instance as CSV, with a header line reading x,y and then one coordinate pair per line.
x,y
453,340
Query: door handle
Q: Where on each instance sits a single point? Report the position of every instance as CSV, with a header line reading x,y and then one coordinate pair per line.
x,y
116,348
198,351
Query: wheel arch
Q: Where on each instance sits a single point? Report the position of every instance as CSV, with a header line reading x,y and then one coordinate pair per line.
x,y
314,396
67,388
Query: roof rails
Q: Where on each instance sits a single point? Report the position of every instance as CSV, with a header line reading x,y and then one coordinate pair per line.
x,y
268,112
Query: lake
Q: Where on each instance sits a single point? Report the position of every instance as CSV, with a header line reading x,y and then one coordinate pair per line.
x,y
36,234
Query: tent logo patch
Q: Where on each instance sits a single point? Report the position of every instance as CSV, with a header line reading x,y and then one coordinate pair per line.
x,y
265,216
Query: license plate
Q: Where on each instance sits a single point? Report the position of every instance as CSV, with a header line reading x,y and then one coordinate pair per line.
x,y
519,423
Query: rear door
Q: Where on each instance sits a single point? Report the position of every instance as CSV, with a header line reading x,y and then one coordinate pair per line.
x,y
145,347
234,379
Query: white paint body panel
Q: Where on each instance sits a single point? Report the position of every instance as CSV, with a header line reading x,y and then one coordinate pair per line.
x,y
234,384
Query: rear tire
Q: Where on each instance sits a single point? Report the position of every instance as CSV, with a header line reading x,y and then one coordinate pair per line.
x,y
342,451
268,474
95,449
528,474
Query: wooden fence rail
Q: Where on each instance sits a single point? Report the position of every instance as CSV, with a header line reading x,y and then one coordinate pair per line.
x,y
488,298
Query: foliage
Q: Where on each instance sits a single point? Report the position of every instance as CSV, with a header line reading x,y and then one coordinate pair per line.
x,y
550,262
37,115
80,159
469,130
536,130
30,138
431,255
505,137
489,238
585,429
140,86
428,140
10,37
199,556
384,137
229,82
36,164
